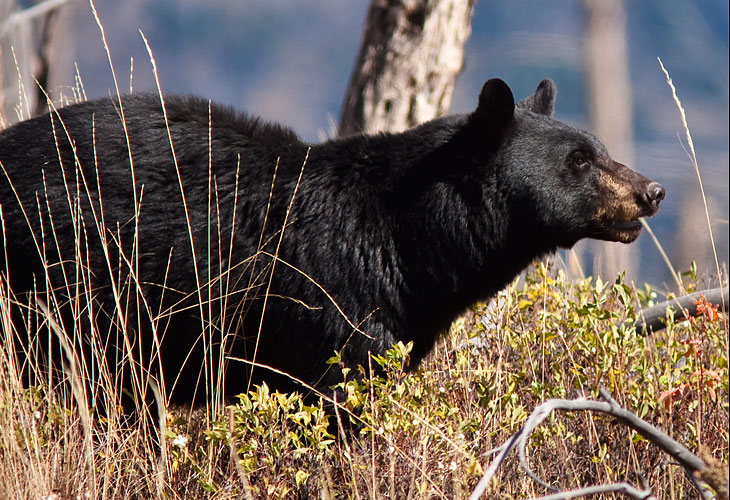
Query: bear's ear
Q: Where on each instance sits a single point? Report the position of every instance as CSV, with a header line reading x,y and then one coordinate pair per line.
x,y
542,101
496,104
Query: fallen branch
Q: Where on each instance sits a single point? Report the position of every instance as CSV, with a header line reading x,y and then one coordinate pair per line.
x,y
693,465
653,318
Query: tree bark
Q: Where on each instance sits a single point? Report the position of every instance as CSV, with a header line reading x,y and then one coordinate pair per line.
x,y
610,106
411,53
33,43
9,38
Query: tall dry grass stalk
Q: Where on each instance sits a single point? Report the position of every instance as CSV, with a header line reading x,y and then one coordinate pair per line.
x,y
693,158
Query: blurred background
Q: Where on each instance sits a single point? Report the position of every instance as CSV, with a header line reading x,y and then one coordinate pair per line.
x,y
290,61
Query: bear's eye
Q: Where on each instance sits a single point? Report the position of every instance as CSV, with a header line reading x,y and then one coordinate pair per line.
x,y
580,160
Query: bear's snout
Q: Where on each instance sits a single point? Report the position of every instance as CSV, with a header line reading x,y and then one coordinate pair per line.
x,y
654,195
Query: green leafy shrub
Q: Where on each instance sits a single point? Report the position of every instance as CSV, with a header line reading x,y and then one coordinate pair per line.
x,y
422,431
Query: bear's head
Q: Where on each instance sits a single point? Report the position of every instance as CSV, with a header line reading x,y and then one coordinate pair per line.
x,y
561,180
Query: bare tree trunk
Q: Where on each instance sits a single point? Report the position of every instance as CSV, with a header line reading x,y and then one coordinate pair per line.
x,y
411,53
13,43
607,73
32,45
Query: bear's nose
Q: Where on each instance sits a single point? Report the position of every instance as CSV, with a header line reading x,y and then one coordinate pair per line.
x,y
654,194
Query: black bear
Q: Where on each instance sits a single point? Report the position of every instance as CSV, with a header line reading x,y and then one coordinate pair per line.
x,y
189,237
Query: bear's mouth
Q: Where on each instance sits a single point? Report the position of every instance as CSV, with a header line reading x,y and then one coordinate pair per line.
x,y
624,231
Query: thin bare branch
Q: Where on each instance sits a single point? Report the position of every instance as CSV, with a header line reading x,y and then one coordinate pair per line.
x,y
625,488
690,462
492,469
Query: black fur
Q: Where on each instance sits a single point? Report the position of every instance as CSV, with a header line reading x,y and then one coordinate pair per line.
x,y
402,231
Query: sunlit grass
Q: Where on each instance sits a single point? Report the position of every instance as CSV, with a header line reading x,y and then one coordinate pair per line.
x,y
409,433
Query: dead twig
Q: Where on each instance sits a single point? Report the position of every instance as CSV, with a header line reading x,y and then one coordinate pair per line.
x,y
693,465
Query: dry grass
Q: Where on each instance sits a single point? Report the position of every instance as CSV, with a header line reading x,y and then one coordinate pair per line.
x,y
403,434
